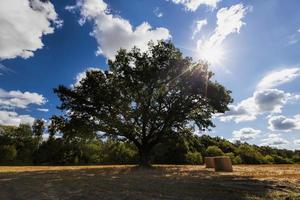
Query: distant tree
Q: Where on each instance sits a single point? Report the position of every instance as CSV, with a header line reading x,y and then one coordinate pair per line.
x,y
115,152
20,140
54,126
51,151
91,153
7,153
38,128
145,97
226,146
207,141
22,132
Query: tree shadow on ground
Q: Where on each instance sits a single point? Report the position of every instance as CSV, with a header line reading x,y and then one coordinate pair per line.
x,y
135,183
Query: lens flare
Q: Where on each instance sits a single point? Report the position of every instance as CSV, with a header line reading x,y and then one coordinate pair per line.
x,y
213,54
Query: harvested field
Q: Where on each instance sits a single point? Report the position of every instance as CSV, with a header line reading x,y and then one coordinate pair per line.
x,y
161,182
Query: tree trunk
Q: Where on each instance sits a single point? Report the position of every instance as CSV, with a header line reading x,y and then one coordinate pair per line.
x,y
144,153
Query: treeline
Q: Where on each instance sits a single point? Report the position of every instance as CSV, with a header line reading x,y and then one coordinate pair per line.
x,y
25,145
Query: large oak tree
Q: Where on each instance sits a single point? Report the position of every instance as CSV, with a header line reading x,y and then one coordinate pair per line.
x,y
145,97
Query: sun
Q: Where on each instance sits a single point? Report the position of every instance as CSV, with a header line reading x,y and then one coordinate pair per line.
x,y
212,53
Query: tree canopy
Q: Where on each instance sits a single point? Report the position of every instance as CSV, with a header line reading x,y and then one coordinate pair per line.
x,y
144,97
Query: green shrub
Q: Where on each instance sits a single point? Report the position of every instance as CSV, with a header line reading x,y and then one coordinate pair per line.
x,y
281,160
296,159
231,156
213,151
249,155
269,159
234,159
194,158
237,160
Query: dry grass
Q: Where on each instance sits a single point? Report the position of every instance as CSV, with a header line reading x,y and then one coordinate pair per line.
x,y
162,182
274,172
8,169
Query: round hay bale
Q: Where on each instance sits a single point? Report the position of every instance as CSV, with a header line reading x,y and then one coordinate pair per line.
x,y
209,162
223,164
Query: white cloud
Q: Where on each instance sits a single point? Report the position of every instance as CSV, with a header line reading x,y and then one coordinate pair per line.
x,y
279,77
282,123
199,25
297,142
274,140
245,134
158,13
193,5
229,21
23,23
43,109
18,99
82,75
113,32
270,100
13,119
262,102
239,112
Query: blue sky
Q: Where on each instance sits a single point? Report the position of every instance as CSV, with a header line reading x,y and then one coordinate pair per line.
x,y
253,47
